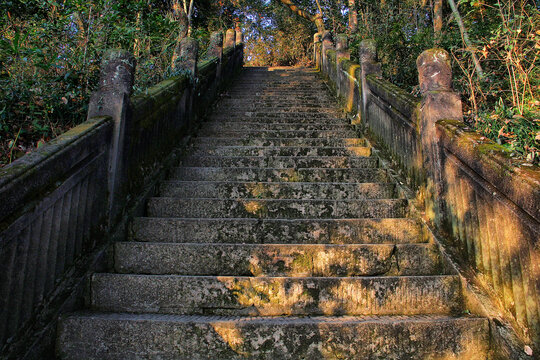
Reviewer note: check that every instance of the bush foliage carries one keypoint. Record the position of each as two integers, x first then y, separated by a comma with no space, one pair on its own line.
50,51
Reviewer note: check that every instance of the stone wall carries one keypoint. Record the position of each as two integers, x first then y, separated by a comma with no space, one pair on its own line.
63,204
484,205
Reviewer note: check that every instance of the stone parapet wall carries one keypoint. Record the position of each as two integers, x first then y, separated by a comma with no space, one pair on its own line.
392,117
483,203
54,204
63,204
491,211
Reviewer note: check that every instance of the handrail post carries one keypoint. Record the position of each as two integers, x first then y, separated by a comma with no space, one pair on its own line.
439,102
186,56
112,99
230,38
215,48
327,44
317,40
367,53
342,53
239,48
185,60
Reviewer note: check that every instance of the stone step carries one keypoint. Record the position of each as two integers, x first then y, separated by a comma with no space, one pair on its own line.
245,123
291,81
280,175
245,141
281,162
277,231
283,94
280,97
295,84
250,109
269,190
265,134
270,85
98,336
231,102
276,296
353,151
276,208
271,116
276,259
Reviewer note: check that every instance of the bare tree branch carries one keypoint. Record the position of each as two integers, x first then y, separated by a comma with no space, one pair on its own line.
317,19
465,37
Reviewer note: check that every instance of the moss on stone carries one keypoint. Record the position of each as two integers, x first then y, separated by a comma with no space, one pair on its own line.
118,54
331,54
207,65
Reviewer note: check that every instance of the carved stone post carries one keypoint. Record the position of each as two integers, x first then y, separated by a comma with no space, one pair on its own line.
186,56
112,99
342,47
327,44
342,53
439,102
367,53
317,39
239,36
185,61
230,38
215,48
239,52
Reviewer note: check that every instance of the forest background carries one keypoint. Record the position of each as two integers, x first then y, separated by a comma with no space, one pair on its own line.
50,53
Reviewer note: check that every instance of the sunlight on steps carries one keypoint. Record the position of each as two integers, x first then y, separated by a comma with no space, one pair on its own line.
278,236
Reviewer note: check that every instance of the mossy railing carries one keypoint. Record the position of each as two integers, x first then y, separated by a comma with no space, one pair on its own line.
484,205
63,204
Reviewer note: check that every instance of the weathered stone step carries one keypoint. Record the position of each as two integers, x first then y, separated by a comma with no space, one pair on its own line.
276,208
232,102
290,81
284,94
265,134
333,142
282,162
98,336
264,123
276,296
280,96
253,110
272,116
282,175
353,151
247,124
277,231
276,259
272,190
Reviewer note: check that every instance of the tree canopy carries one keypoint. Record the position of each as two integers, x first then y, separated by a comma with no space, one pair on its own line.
50,52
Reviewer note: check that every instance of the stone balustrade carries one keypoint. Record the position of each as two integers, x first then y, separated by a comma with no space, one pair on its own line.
483,205
65,202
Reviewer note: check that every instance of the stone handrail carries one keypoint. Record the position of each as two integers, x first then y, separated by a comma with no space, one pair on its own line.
63,204
483,204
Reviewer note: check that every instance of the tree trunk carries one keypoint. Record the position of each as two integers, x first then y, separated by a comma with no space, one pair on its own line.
316,19
437,20
353,17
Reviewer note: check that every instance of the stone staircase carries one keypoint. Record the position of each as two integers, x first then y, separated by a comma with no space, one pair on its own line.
279,236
